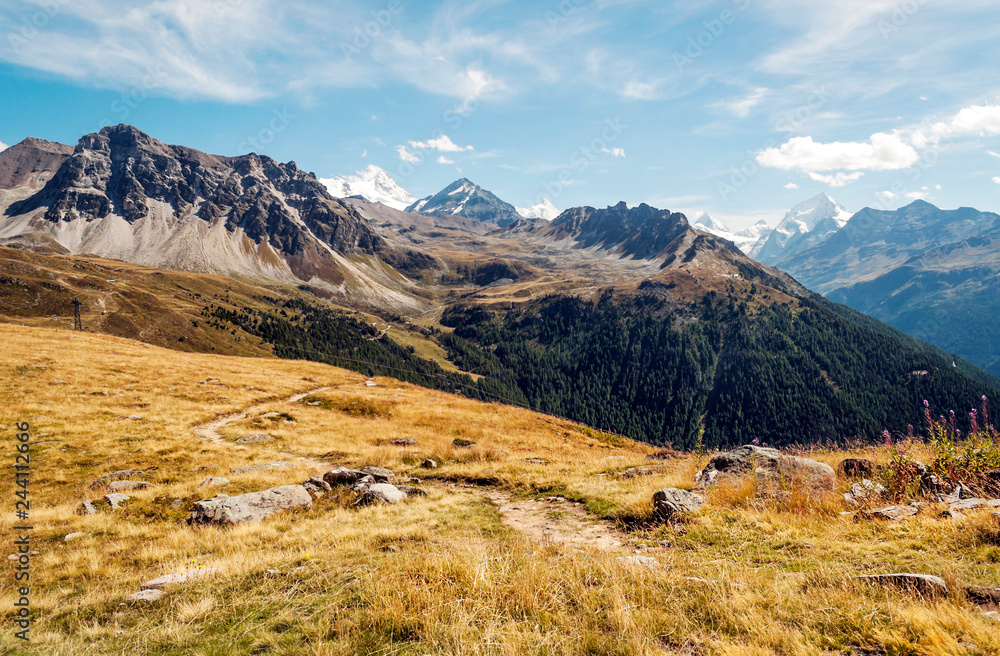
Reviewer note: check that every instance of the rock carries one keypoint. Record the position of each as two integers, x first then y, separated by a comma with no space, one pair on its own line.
536,461
118,475
411,491
429,464
931,485
974,504
922,584
146,596
127,486
768,466
636,472
863,492
383,493
74,536
179,578
404,441
342,476
250,507
213,481
132,418
992,614
671,504
983,596
255,437
857,468
316,486
381,474
269,466
87,508
363,484
950,514
959,492
644,561
115,500
888,513
58,382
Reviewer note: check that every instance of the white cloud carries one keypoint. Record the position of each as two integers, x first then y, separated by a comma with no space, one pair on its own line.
639,91
993,153
884,152
996,180
406,155
742,107
3,146
364,153
614,152
917,195
975,120
442,144
837,180
791,185
444,160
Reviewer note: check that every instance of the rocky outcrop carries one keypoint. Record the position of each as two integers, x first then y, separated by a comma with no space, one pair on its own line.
672,504
921,584
250,507
770,468
381,493
863,492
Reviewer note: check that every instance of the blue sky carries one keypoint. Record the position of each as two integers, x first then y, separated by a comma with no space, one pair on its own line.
741,108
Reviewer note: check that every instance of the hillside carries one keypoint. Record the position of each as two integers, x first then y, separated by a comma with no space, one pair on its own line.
518,545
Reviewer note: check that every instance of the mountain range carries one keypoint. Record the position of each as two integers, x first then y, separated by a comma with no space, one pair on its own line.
627,318
373,184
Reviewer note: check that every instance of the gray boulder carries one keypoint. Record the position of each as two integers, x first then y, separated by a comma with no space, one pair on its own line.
87,508
380,474
115,500
316,486
127,486
363,484
381,493
267,466
146,596
163,582
671,504
213,481
922,584
253,438
342,476
250,507
863,492
429,464
887,514
974,504
411,491
857,468
769,467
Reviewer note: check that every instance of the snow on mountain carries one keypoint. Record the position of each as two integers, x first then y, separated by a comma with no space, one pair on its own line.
374,185
465,198
805,225
745,239
544,210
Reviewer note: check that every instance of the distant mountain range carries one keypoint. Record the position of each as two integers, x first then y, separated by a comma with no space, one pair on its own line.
745,239
374,185
465,198
805,225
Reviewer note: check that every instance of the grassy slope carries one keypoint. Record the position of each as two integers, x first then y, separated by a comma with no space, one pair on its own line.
775,580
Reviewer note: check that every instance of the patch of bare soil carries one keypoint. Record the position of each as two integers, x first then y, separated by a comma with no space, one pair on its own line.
557,520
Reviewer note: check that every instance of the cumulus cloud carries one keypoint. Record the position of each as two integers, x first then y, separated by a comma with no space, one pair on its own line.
837,180
883,152
444,160
791,185
975,120
406,155
614,152
996,180
442,144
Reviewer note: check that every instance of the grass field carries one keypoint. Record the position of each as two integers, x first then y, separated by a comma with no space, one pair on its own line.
436,575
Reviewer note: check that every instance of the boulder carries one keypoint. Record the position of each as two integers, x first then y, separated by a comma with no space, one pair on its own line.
671,504
267,466
769,466
931,485
115,500
253,438
115,476
127,486
146,596
922,584
316,486
983,596
959,492
404,441
163,582
342,476
429,464
250,507
74,536
380,474
863,492
950,514
363,484
381,493
857,468
87,508
992,614
213,481
411,491
974,504
887,514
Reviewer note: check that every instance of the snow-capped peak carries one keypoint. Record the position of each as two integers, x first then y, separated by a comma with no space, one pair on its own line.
803,218
708,223
374,185
544,210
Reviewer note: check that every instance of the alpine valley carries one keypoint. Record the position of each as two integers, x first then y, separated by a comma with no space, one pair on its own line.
628,319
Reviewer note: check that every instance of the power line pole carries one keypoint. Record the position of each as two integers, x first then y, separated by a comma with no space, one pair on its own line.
77,322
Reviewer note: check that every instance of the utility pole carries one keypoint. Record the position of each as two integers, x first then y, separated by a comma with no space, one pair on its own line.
77,322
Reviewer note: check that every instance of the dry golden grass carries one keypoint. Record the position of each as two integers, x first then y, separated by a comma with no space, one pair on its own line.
742,578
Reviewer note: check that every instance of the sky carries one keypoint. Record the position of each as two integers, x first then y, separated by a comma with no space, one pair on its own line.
738,108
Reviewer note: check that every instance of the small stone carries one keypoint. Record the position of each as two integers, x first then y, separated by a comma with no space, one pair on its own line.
213,481
922,584
132,418
58,382
671,504
115,500
127,486
863,492
950,514
856,468
983,596
342,476
404,441
411,491
381,474
87,508
179,578
391,548
992,614
146,596
316,486
253,438
973,504
536,461
74,536
429,464
888,513
644,561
